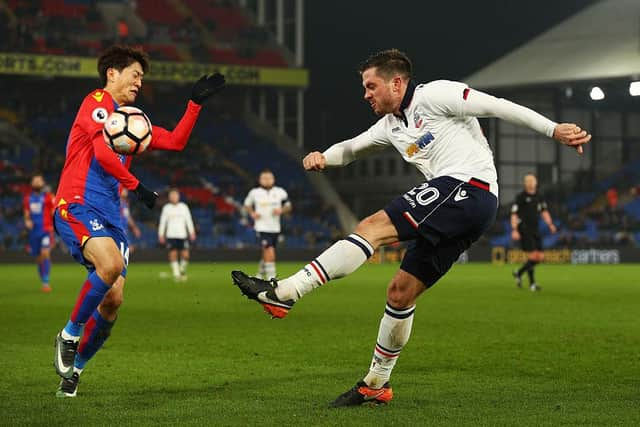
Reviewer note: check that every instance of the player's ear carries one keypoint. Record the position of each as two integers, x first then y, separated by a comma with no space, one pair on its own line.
396,82
112,74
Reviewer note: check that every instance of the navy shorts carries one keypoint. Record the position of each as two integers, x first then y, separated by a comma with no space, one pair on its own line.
76,223
443,216
177,244
267,240
38,240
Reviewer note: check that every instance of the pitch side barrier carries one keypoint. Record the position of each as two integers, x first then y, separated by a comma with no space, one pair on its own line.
82,67
500,255
478,253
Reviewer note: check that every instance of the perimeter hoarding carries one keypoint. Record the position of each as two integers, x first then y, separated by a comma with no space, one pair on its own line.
81,67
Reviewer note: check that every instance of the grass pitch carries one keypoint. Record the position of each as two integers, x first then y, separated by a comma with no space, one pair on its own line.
197,353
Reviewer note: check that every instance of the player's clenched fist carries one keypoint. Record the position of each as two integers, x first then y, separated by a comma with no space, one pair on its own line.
572,135
314,161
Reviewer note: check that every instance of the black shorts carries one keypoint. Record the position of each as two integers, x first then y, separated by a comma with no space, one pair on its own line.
267,240
530,242
444,216
177,244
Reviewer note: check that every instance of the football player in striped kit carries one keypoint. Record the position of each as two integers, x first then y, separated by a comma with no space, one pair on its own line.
433,126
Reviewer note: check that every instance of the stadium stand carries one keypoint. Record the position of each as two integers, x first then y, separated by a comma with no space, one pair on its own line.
213,174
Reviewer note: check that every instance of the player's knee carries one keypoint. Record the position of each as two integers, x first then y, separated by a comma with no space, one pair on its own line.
400,295
112,300
110,270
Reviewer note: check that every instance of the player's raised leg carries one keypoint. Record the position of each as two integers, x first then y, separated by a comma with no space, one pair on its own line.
104,255
339,260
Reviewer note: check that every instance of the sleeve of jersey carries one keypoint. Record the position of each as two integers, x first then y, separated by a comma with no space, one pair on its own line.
111,163
91,118
345,152
163,221
457,99
187,213
248,201
176,139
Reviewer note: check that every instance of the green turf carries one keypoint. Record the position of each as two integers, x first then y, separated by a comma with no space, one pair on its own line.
481,353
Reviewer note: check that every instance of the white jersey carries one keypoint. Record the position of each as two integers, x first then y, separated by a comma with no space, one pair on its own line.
438,132
175,221
263,202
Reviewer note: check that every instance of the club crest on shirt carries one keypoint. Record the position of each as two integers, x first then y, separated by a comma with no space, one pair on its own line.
98,95
417,120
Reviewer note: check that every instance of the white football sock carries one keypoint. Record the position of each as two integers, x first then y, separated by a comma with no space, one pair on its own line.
269,270
342,258
175,268
78,370
183,266
394,332
261,273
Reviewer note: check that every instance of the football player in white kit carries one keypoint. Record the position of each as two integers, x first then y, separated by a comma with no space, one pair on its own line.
176,230
266,204
434,127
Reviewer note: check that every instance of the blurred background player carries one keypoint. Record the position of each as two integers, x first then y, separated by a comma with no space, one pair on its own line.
266,204
87,213
128,223
38,219
524,225
176,230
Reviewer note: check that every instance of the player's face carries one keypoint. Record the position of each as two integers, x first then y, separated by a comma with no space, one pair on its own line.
174,197
37,182
530,184
266,180
382,95
125,84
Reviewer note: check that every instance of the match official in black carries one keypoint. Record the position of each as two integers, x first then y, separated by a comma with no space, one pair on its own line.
524,225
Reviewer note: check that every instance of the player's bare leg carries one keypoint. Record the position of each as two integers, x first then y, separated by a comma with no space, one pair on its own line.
105,256
393,335
339,260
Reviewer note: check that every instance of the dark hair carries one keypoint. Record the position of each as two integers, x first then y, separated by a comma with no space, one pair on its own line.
120,57
266,171
388,63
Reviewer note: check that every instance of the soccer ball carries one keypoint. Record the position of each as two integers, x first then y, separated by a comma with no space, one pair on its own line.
127,131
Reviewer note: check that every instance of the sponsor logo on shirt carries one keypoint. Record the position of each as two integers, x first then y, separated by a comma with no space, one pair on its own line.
420,144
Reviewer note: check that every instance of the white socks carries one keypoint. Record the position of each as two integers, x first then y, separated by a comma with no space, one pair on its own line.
394,332
175,269
269,270
183,266
339,260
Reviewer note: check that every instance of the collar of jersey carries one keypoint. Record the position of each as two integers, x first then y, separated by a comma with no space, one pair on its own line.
406,100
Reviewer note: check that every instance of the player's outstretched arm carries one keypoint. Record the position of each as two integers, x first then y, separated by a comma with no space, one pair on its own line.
176,140
345,152
571,135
